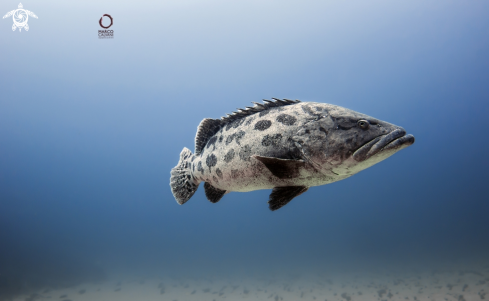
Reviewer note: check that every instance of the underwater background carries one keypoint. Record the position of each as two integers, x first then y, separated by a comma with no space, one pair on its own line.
90,129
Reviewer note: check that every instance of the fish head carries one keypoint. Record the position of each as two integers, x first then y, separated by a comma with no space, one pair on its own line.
355,141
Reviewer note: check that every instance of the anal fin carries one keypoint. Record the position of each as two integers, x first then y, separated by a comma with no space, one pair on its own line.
212,193
282,168
281,196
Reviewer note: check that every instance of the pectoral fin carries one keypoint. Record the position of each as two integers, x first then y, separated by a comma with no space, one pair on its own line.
212,193
282,168
281,196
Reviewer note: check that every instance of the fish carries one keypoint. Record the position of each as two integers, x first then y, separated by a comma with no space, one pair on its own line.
284,145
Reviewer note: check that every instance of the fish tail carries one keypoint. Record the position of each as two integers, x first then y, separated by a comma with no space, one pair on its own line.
183,185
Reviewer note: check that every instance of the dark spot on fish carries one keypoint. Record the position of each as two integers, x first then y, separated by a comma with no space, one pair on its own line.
230,138
220,138
236,173
212,141
286,119
308,110
343,128
215,179
229,156
229,126
343,123
238,136
263,125
263,113
250,120
317,115
245,153
199,167
211,161
238,122
271,140
234,124
219,173
193,167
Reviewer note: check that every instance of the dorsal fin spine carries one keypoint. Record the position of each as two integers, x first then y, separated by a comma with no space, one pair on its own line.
258,108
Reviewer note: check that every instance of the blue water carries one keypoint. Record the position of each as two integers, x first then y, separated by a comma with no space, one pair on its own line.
90,129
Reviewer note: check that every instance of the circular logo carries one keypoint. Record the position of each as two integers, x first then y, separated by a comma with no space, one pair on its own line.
111,21
20,17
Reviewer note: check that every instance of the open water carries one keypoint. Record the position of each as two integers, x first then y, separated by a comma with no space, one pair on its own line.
90,129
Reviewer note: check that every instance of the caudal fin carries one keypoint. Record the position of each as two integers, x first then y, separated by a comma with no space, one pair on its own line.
183,185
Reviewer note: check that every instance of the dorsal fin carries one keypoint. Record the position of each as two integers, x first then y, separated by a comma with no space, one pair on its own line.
258,107
208,127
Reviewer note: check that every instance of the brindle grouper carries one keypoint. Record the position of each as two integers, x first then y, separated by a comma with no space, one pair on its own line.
285,145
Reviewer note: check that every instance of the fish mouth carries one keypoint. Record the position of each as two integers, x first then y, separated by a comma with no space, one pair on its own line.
393,141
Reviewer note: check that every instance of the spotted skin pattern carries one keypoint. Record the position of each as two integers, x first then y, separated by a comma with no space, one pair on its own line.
321,143
271,135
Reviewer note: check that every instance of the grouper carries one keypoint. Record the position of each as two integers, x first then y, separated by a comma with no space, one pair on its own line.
284,145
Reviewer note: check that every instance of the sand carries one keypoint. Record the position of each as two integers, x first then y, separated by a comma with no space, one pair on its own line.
455,284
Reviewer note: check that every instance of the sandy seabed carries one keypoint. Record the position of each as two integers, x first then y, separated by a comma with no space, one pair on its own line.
449,284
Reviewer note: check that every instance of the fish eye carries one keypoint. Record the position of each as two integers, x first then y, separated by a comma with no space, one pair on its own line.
363,124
